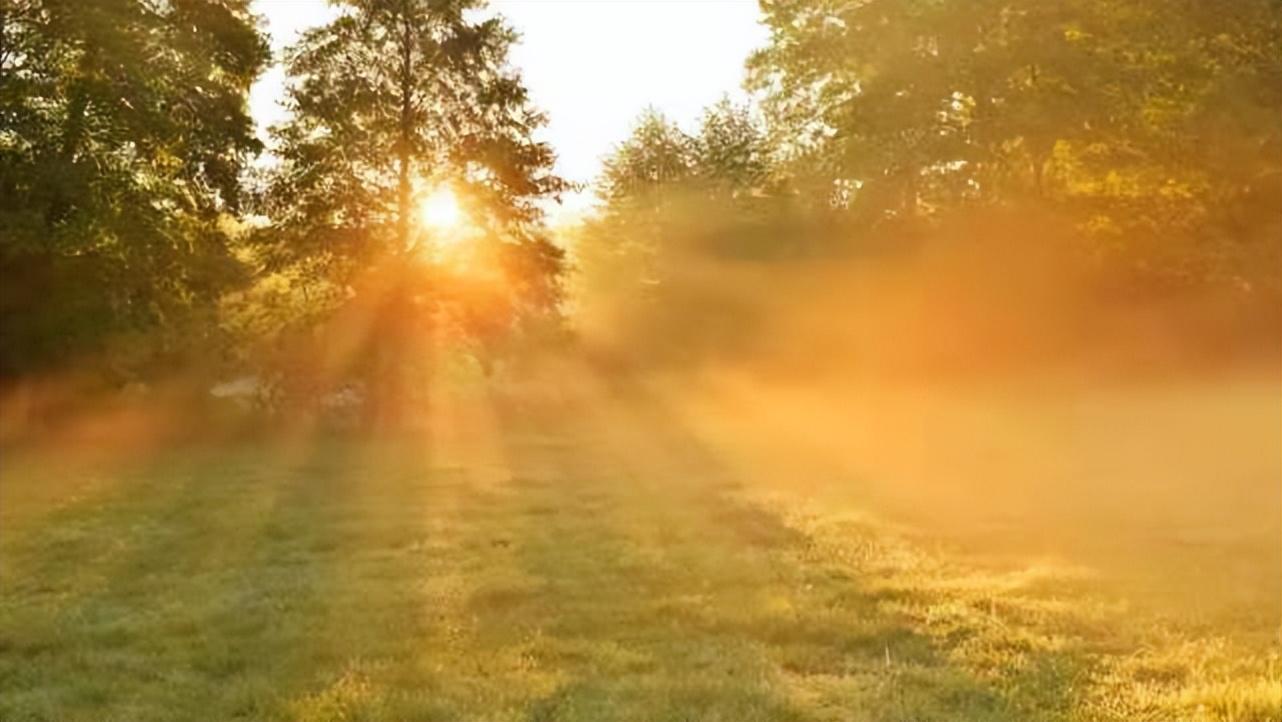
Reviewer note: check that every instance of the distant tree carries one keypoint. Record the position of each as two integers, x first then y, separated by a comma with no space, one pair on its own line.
1151,123
123,131
727,157
664,191
646,169
388,100
671,201
732,155
924,102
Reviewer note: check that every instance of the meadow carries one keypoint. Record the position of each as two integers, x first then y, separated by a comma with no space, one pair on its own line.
514,361
593,552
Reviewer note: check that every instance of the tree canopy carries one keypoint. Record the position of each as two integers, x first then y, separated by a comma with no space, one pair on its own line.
390,101
1153,124
133,232
123,132
393,97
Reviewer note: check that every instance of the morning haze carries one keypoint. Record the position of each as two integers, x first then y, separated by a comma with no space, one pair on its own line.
424,360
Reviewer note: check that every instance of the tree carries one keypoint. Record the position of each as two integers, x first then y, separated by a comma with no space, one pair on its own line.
926,102
732,156
392,99
123,130
672,202
1151,124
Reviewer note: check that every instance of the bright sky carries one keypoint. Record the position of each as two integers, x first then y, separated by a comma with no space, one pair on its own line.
592,65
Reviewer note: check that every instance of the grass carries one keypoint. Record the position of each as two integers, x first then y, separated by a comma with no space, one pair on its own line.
535,565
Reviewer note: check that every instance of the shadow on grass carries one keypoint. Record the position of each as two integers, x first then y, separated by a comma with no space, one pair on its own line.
619,573
662,594
196,595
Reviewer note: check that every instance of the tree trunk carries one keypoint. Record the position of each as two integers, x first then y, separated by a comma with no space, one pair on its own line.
403,150
386,387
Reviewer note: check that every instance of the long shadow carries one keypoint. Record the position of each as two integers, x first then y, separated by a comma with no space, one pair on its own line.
393,610
1018,665
204,604
708,587
598,585
618,575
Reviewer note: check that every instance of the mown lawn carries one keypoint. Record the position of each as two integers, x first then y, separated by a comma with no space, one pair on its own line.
596,563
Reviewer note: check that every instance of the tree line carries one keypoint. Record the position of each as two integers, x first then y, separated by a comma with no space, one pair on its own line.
137,236
1145,135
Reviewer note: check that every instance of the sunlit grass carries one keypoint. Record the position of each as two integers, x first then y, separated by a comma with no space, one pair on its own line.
586,559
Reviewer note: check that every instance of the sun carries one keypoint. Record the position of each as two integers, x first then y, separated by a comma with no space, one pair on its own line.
441,210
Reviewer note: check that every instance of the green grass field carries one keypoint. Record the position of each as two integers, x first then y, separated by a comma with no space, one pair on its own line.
581,561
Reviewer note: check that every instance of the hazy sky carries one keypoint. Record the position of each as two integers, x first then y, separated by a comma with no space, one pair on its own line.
592,65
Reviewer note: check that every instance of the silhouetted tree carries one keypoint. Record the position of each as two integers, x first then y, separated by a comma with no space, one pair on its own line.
388,100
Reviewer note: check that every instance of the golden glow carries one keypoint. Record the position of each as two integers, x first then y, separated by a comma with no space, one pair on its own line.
441,210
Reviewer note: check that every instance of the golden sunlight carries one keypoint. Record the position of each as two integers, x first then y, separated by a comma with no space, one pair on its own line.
919,374
441,209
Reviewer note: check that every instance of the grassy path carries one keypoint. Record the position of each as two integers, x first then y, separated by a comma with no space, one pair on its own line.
588,561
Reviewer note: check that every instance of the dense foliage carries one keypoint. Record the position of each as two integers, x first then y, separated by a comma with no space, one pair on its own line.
1138,144
1153,126
671,203
123,131
390,100
1147,133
